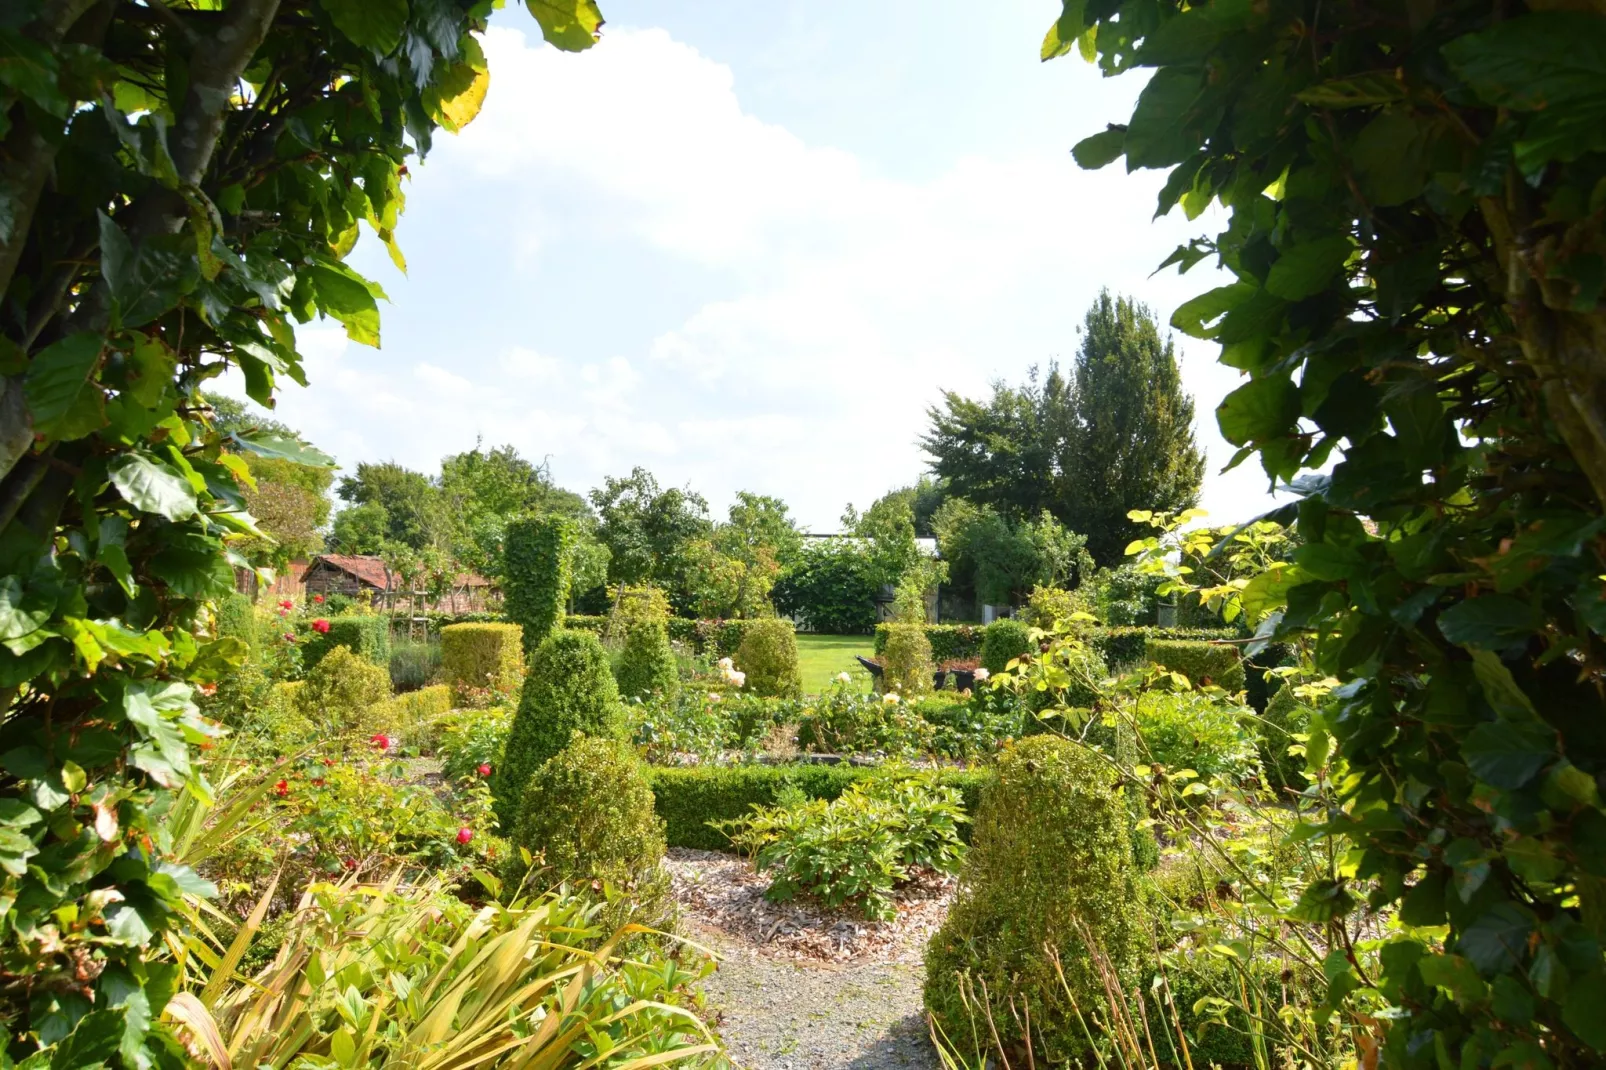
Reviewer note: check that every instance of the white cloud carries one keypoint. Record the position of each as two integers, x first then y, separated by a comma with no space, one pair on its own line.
823,308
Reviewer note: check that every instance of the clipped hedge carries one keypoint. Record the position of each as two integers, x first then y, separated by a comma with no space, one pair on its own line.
1202,663
907,662
647,665
1004,641
711,638
1120,647
949,642
366,635
535,575
689,797
482,655
409,715
341,692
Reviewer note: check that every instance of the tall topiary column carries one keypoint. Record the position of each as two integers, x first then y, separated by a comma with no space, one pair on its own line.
647,664
569,689
1050,862
535,575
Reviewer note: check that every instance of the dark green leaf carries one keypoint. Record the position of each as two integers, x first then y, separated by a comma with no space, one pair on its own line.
1102,148
1582,1011
1388,159
1307,269
282,447
1536,62
1194,317
374,24
1454,974
29,68
62,396
1062,36
1508,755
1489,622
1497,942
1357,91
1157,135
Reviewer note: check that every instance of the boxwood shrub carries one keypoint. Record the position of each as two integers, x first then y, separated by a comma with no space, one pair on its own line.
366,635
482,655
689,797
1202,663
768,655
1124,647
1005,640
647,665
949,642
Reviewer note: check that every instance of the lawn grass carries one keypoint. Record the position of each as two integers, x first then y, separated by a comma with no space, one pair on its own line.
821,657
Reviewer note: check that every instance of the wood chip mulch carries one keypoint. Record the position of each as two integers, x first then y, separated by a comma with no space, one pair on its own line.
723,892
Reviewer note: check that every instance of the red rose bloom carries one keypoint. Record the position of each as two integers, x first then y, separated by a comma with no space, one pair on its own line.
318,598
282,788
350,863
287,604
485,770
464,835
380,740
320,626
289,637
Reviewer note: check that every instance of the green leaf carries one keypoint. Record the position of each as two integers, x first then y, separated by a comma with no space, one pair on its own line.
1063,35
1389,159
1193,317
1323,900
1490,622
1157,135
154,363
345,295
1536,62
373,24
282,447
22,611
1260,409
1307,269
152,487
456,95
1497,942
124,923
1092,153
32,70
1582,1010
570,25
1455,975
1356,91
62,396
1508,755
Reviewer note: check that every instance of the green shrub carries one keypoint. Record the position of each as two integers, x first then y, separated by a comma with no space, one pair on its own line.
1049,852
596,624
1006,639
1187,729
1048,605
968,728
535,575
1285,717
413,663
1079,674
858,847
1202,663
470,739
1123,647
569,689
647,665
688,798
949,642
475,656
367,635
768,655
906,660
242,689
844,720
280,725
412,715
587,816
343,691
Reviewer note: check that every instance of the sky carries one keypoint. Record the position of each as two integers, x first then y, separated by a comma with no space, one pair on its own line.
746,246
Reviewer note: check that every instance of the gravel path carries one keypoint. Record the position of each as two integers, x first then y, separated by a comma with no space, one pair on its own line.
776,1014
800,988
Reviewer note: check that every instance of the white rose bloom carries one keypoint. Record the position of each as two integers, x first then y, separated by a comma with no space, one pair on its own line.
890,698
725,663
738,678
713,696
982,674
843,678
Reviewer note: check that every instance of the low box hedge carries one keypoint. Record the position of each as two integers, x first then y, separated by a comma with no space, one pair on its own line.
367,635
689,797
1200,662
482,655
949,642
711,638
1120,647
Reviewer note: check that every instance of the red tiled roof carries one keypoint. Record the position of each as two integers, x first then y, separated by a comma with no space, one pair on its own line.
371,570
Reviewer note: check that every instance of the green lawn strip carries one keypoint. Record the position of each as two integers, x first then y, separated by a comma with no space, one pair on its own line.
821,657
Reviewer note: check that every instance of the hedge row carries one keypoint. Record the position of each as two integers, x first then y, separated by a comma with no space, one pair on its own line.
367,635
410,714
689,797
949,642
1117,646
482,655
714,638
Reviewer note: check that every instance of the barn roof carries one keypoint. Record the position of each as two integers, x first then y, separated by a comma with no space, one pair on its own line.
371,570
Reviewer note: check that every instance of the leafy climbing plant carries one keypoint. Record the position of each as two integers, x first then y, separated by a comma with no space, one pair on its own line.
180,183
1416,196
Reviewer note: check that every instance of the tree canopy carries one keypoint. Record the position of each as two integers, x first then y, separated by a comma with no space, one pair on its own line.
1113,436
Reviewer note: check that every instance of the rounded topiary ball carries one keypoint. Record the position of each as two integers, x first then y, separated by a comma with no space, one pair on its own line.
1050,858
569,688
587,818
